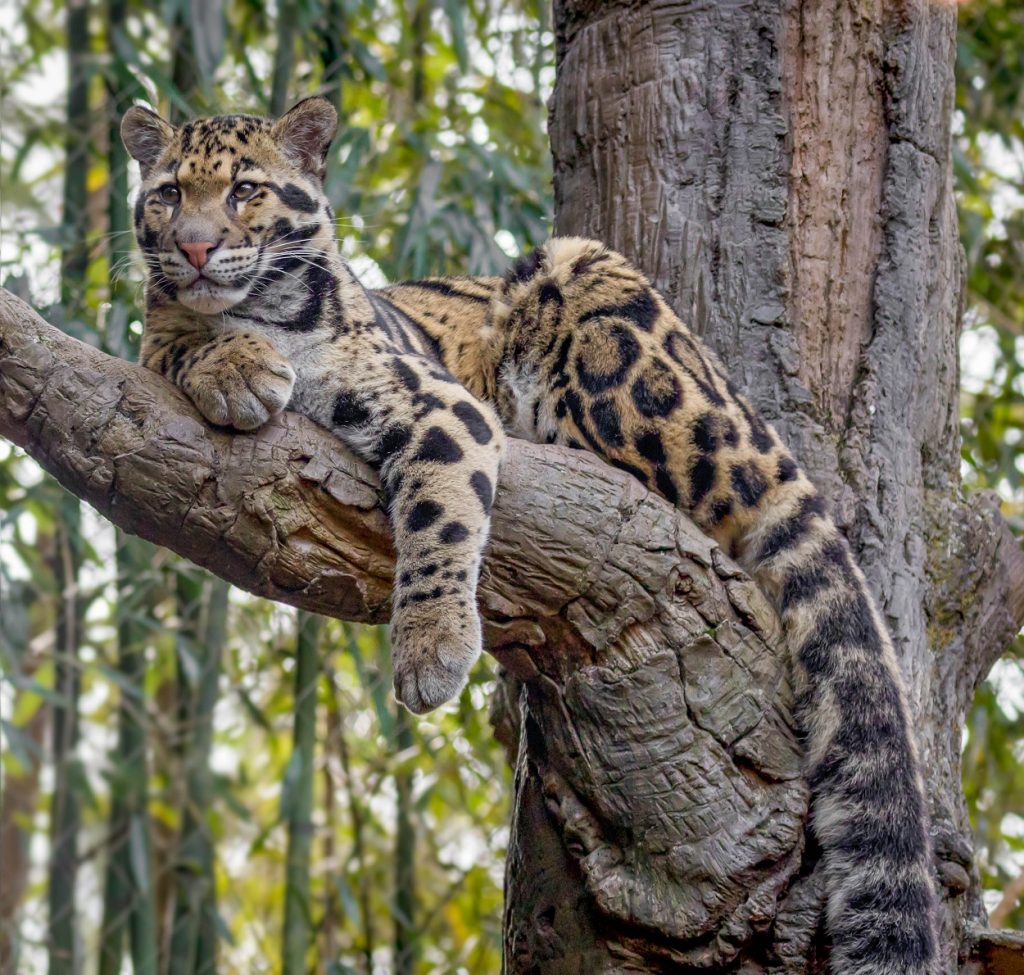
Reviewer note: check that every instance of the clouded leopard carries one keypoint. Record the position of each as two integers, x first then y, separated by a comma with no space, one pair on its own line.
250,308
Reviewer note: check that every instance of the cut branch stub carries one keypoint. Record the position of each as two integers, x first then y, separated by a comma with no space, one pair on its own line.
657,704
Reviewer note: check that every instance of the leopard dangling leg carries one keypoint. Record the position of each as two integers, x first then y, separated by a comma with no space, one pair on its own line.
438,450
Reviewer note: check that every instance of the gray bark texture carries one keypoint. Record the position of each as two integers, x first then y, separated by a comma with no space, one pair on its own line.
782,172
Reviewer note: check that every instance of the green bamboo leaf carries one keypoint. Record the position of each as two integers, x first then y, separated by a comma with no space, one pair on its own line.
454,10
221,926
346,896
18,744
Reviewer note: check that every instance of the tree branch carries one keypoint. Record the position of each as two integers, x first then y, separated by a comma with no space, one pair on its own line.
287,513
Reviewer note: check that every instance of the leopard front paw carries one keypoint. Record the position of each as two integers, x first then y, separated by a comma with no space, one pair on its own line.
432,657
241,383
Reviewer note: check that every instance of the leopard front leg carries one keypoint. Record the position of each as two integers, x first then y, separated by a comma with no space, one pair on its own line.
235,379
438,451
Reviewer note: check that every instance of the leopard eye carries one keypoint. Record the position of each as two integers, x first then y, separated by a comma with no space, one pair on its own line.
170,194
243,191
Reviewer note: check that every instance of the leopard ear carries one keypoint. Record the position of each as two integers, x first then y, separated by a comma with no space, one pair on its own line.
145,135
305,133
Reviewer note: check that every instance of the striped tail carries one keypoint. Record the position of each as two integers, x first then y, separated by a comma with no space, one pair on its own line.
868,810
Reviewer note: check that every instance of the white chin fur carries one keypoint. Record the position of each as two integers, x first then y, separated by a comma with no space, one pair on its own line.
209,299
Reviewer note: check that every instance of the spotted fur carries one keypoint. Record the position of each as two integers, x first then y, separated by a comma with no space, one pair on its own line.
573,346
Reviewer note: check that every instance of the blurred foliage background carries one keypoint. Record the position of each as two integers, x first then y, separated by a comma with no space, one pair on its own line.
195,780
988,165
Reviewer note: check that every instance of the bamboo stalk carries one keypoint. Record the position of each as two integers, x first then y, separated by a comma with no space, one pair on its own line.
298,926
20,791
62,935
203,610
406,946
284,56
332,33
129,896
336,735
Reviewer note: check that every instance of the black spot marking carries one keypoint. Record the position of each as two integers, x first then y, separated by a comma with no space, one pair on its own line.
445,288
322,286
575,405
585,263
759,435
562,359
422,597
650,447
605,417
720,510
787,469
439,447
473,420
295,197
282,228
705,439
406,375
641,310
666,486
427,403
749,482
524,268
453,533
549,292
656,391
807,581
848,622
140,209
349,411
392,441
599,372
790,532
702,479
423,515
481,484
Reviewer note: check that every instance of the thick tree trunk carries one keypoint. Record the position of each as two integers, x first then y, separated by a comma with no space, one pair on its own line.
782,172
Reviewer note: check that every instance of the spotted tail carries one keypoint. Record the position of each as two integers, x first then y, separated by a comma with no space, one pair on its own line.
868,809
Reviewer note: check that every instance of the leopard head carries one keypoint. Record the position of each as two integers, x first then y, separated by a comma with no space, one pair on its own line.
230,202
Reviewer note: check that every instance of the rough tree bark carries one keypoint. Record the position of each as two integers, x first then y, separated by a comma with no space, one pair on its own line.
782,173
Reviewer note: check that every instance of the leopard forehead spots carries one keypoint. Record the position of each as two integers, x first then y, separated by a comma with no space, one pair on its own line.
229,183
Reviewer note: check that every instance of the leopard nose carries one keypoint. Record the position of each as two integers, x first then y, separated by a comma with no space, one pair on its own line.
197,252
